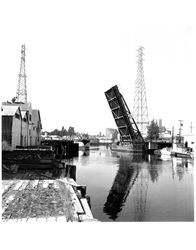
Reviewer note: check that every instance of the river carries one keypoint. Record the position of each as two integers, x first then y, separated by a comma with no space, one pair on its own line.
127,187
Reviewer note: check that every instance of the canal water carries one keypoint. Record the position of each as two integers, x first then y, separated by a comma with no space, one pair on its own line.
126,187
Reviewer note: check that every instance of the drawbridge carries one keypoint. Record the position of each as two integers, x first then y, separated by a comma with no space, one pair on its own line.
127,127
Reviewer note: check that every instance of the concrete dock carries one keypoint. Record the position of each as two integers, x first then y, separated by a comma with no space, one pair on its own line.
29,197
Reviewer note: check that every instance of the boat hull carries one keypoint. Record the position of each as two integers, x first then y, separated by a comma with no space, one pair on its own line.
181,155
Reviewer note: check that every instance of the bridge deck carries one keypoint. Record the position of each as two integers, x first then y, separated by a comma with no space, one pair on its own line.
126,125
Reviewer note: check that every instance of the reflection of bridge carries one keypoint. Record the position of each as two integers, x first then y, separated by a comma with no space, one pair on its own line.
128,177
123,182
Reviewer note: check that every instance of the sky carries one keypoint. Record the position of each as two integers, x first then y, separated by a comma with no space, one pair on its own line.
76,50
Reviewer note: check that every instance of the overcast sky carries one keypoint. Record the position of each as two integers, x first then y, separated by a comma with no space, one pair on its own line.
76,50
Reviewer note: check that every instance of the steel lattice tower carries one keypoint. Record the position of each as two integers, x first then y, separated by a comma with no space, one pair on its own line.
140,110
21,94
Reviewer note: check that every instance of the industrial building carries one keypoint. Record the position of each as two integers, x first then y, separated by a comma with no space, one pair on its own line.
21,125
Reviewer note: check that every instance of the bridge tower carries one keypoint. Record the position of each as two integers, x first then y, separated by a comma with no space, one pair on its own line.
140,110
21,93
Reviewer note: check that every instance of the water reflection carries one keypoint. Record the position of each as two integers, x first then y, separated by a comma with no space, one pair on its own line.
132,180
154,168
180,166
124,181
125,187
140,194
86,152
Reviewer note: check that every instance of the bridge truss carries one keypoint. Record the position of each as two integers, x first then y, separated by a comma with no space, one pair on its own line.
125,122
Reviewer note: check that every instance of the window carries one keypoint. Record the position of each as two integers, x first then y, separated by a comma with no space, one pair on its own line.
17,116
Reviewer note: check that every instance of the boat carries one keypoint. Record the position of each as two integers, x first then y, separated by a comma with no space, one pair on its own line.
164,153
176,151
182,153
179,150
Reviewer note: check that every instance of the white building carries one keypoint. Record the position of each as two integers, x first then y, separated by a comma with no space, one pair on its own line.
111,133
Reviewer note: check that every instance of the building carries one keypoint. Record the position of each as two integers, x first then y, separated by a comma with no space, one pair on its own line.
36,127
25,128
21,125
111,133
11,127
165,134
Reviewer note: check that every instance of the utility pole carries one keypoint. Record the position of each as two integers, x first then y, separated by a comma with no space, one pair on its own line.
21,94
191,127
140,110
172,135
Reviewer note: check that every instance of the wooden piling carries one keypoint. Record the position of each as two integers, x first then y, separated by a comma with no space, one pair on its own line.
71,171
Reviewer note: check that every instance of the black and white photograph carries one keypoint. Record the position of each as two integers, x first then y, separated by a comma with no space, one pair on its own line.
98,117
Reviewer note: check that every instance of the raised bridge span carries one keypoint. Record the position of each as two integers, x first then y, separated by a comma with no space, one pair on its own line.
125,122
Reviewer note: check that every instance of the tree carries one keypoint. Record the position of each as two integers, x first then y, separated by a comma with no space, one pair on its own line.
153,131
63,131
71,131
55,132
13,99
